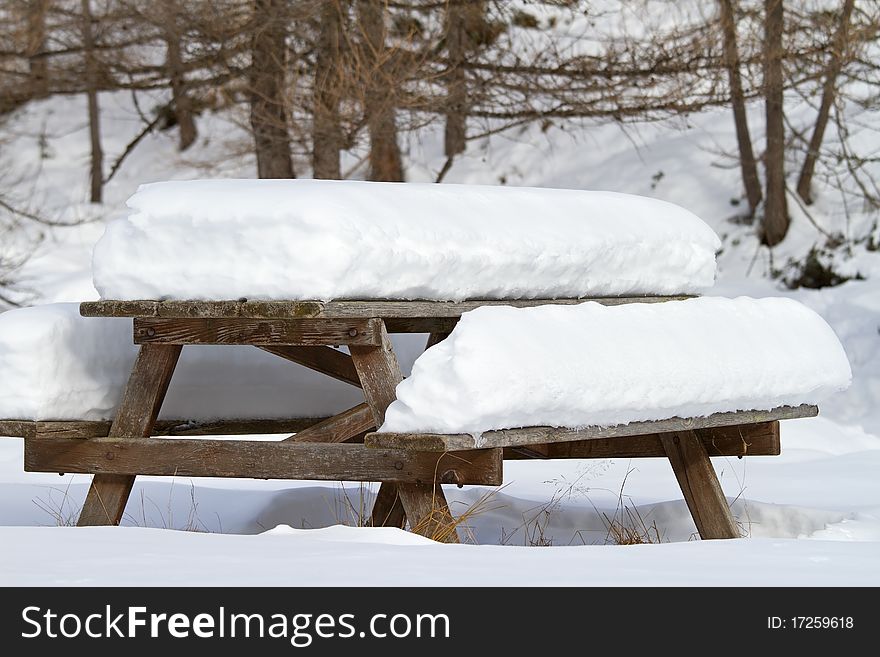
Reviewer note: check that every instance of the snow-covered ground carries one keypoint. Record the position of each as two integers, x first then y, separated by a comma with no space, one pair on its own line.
813,513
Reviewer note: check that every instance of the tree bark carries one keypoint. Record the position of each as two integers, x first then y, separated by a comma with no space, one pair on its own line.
747,161
269,120
96,174
386,162
326,130
36,43
776,218
455,133
183,108
829,90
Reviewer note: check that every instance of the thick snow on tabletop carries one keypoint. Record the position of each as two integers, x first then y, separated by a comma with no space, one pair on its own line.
574,366
56,365
308,239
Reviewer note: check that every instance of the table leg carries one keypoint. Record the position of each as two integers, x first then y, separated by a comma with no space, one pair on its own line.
424,504
699,484
135,417
434,338
388,509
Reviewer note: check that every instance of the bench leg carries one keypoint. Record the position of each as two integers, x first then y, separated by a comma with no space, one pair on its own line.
699,483
135,417
424,504
387,508
428,512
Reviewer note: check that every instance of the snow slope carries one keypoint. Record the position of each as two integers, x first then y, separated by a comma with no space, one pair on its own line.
576,366
327,239
337,557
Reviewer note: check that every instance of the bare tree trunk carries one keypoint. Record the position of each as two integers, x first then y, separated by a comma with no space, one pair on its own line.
456,84
326,130
36,42
747,161
91,70
386,162
268,112
183,108
829,90
776,217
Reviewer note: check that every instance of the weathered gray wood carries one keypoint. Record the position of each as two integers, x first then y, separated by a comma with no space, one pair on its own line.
540,435
339,428
435,337
135,417
386,309
325,360
259,332
741,440
380,373
387,508
428,512
126,457
420,324
243,427
118,308
17,428
699,484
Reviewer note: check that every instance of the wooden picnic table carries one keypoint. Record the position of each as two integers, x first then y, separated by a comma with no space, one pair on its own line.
410,467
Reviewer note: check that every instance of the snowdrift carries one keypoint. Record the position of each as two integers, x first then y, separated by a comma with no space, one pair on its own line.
323,240
575,366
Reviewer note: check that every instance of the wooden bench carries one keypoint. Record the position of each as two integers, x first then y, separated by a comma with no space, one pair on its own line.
410,467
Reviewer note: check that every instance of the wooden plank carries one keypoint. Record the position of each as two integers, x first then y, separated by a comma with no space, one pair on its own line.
17,428
530,452
325,360
271,309
135,417
379,373
425,506
699,484
387,508
315,332
343,309
143,308
198,309
426,309
188,457
737,441
339,428
242,427
420,324
436,337
428,512
541,435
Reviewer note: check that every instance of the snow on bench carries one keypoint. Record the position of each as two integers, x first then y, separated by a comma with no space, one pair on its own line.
325,240
57,365
591,365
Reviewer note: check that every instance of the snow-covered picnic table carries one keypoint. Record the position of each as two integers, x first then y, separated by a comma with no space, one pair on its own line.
546,340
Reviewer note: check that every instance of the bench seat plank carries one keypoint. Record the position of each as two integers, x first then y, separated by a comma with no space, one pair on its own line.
545,435
760,439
